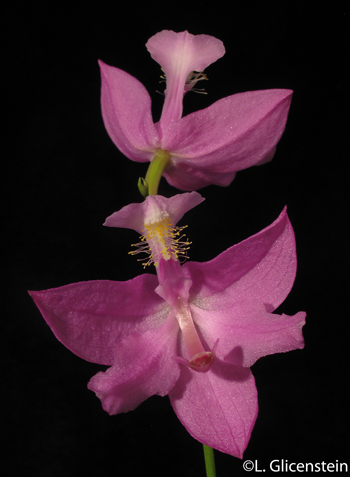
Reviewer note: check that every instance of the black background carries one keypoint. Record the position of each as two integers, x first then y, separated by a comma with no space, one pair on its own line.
62,176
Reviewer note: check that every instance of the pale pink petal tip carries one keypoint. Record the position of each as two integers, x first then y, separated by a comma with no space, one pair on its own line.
169,49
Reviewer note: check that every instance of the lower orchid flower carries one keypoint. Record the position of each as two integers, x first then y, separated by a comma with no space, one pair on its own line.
202,148
192,331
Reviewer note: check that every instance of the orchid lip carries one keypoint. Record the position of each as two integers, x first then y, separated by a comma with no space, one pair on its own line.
162,239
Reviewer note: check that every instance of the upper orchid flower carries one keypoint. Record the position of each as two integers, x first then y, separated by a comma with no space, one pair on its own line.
156,331
205,147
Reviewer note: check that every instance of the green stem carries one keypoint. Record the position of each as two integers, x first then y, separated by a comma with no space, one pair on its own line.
155,170
209,461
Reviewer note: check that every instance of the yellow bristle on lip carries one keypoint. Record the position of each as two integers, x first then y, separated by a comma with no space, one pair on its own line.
162,239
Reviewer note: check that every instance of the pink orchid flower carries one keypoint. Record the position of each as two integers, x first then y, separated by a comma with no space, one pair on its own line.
191,332
207,146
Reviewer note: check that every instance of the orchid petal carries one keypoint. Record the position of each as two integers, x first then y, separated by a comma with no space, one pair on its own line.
218,408
126,112
181,203
262,268
152,209
91,318
130,216
179,54
230,135
144,366
245,335
186,177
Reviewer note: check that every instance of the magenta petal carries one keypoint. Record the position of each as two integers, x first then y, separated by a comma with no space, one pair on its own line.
261,268
247,334
91,318
230,135
126,111
218,408
144,366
